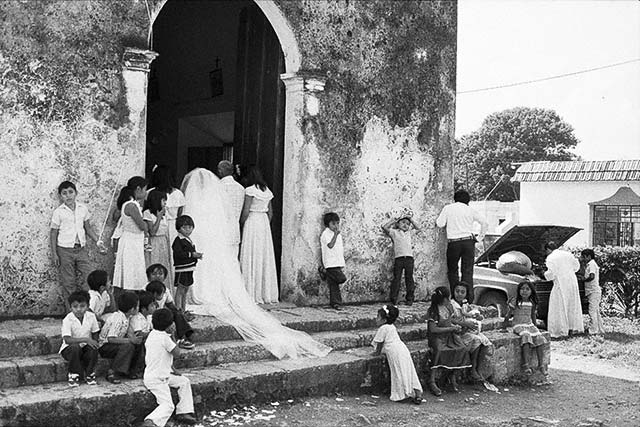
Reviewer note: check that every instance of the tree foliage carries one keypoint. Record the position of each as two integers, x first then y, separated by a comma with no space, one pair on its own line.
517,135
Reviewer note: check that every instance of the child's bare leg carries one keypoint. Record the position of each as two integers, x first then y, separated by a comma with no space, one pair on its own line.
453,379
432,383
475,356
526,358
542,366
181,294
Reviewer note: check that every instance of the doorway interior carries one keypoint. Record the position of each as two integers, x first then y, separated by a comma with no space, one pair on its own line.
215,93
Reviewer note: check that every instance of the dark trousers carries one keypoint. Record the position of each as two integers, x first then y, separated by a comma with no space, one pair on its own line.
74,262
124,356
403,263
81,359
335,277
183,329
461,250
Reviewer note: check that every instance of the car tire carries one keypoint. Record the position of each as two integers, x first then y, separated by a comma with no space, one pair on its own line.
494,299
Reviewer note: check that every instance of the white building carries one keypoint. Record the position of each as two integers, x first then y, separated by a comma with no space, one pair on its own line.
601,197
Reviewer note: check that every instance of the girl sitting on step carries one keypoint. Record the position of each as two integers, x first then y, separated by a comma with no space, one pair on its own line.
523,311
469,319
449,351
404,379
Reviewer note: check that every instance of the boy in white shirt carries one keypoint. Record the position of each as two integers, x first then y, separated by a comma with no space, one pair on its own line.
160,377
70,227
79,340
403,256
332,258
592,290
100,294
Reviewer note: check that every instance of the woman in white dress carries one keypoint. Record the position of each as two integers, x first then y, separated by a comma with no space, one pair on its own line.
257,257
565,311
218,284
129,272
162,179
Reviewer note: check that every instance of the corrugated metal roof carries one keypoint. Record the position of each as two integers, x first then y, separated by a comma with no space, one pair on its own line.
608,170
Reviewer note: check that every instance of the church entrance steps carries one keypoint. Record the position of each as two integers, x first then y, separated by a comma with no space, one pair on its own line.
226,385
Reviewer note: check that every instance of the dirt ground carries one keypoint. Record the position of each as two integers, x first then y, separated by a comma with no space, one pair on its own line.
573,399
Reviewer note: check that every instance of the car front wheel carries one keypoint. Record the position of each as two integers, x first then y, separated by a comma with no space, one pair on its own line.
494,299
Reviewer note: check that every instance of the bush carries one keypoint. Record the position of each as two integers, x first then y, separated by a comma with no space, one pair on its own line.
619,278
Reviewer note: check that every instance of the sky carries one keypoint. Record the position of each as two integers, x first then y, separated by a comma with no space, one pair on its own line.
509,41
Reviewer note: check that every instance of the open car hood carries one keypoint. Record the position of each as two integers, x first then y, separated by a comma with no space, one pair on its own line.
528,239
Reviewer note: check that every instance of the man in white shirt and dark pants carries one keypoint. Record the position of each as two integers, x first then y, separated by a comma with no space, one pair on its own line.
235,193
458,218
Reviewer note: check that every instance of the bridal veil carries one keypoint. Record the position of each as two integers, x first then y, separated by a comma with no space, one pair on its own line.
218,285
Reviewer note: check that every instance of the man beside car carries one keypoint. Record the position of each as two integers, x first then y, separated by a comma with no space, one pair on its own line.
565,311
459,219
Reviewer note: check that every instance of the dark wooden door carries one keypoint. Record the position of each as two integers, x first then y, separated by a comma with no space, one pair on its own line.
259,115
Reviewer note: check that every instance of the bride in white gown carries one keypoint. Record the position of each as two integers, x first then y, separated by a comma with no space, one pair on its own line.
218,288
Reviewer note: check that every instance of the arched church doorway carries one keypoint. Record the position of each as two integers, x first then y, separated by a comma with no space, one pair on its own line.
215,92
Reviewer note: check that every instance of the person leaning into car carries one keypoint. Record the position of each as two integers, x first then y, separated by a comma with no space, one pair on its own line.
458,218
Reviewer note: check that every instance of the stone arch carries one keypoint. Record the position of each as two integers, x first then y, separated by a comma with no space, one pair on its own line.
279,22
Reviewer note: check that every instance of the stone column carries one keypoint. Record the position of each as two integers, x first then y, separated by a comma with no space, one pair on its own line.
135,70
301,192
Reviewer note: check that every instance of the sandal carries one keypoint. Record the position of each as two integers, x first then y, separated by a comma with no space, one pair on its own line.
417,400
112,378
526,369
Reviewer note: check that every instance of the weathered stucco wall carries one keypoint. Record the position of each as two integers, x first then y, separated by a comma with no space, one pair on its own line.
63,115
380,140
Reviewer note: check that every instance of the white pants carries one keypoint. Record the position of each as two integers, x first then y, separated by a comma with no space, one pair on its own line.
595,325
160,387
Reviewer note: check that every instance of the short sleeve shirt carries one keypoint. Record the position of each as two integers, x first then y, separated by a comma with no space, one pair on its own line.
138,323
401,243
158,357
166,299
70,225
98,302
116,326
593,285
73,327
331,257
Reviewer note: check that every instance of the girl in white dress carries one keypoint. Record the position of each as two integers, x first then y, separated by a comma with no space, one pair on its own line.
405,383
257,258
155,217
129,272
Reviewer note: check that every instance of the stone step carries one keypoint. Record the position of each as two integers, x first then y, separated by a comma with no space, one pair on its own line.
227,385
19,338
24,371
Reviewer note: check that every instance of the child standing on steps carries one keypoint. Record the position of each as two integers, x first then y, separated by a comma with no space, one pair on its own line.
523,311
332,258
399,232
79,340
185,259
70,227
405,383
160,376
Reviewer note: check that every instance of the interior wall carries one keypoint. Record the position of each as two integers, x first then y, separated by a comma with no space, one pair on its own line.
189,37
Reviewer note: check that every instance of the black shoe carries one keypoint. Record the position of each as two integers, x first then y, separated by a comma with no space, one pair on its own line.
336,307
409,303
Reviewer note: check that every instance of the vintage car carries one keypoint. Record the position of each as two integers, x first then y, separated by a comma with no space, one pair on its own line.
494,288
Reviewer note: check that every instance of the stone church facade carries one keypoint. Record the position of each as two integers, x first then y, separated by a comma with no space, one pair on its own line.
369,103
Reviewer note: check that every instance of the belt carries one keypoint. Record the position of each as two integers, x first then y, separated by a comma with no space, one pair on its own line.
460,239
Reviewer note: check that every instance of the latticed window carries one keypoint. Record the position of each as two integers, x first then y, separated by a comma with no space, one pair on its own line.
616,225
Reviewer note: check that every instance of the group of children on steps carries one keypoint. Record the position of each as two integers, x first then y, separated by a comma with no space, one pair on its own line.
140,329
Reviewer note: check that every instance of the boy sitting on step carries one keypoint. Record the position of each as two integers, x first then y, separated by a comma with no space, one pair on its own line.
160,377
100,295
79,340
156,274
114,343
140,326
